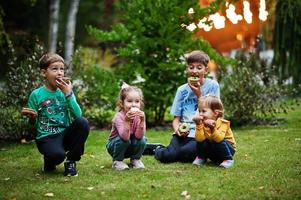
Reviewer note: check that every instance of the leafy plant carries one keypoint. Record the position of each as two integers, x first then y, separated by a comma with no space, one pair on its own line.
251,93
96,88
22,77
286,41
151,45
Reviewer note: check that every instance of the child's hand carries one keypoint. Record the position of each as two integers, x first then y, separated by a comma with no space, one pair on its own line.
183,130
196,88
30,113
65,85
209,123
133,112
197,119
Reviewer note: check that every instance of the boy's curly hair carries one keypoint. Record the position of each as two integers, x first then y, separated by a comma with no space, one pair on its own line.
49,58
197,56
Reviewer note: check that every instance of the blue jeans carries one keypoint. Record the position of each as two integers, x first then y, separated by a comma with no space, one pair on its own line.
120,149
217,152
179,150
70,143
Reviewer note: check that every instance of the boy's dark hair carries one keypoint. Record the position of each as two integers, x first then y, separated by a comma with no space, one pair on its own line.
197,56
49,58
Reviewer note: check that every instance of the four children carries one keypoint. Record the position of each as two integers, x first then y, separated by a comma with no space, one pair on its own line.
62,131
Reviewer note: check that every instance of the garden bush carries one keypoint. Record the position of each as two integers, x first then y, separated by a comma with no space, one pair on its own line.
22,77
97,87
151,42
250,91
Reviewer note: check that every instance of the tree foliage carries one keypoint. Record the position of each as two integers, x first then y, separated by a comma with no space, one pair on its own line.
250,92
152,44
286,40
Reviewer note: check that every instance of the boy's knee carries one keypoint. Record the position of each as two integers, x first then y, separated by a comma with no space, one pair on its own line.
82,123
165,156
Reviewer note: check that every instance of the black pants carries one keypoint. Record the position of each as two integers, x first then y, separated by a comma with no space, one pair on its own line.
70,143
179,149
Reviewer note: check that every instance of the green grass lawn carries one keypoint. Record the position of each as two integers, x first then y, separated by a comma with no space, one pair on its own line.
267,166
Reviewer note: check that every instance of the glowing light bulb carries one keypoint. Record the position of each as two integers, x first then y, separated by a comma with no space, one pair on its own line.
247,12
190,11
263,14
231,15
191,27
218,20
203,25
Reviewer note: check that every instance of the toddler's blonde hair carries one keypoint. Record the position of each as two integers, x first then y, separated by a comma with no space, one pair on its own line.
212,102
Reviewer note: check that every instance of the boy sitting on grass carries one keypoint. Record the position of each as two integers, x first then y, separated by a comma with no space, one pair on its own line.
182,147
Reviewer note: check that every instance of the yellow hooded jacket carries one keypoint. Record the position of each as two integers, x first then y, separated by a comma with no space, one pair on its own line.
221,131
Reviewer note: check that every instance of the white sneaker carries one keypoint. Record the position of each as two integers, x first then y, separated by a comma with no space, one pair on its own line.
119,165
137,164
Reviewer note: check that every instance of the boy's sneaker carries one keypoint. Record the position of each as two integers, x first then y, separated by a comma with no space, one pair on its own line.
120,165
48,169
137,164
227,163
151,148
199,161
70,168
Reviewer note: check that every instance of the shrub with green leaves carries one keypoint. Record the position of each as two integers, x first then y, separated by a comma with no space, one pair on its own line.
22,77
96,88
250,92
151,43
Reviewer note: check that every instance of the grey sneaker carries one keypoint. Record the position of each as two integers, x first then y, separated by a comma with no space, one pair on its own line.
137,164
120,165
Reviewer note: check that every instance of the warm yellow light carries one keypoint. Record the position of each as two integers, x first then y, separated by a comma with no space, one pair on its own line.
190,11
203,25
263,14
247,12
191,27
218,20
231,14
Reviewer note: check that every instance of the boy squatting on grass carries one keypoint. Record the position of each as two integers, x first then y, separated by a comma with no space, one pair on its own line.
52,107
182,147
215,139
128,128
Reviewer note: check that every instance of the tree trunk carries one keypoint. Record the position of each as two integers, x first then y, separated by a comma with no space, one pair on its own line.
70,32
53,25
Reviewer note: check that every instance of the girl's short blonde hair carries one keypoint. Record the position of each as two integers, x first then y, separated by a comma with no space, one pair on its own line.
123,93
212,102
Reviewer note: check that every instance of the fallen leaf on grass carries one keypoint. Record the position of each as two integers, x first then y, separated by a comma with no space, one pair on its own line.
49,194
184,193
90,188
